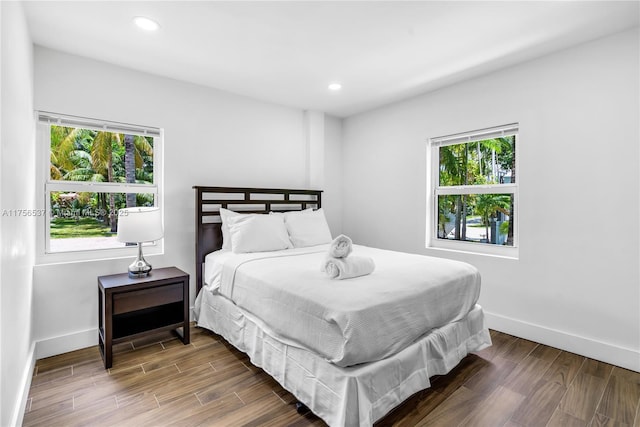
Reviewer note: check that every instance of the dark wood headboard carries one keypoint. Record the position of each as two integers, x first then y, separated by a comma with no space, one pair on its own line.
209,200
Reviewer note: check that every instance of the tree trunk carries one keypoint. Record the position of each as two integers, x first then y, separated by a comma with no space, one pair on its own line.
458,217
463,235
130,167
486,228
112,215
513,180
480,160
112,199
102,205
494,165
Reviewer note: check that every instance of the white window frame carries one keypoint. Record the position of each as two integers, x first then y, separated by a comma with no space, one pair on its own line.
44,120
434,190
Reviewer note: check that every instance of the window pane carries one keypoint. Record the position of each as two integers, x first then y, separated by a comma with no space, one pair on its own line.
489,161
482,218
87,155
88,221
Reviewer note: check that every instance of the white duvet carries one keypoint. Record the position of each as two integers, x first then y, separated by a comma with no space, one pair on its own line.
351,321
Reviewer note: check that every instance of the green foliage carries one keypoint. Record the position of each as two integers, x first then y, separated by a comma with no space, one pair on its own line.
97,156
488,204
478,162
484,162
88,155
504,227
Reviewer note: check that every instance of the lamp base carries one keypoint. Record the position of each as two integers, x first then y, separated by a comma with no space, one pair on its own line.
138,275
140,267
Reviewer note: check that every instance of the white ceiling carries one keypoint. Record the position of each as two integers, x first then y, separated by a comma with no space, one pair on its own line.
287,52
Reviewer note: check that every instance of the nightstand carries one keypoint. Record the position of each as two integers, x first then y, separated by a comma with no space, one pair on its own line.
130,308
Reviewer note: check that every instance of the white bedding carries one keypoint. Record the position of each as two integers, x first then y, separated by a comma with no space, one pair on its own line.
352,321
353,396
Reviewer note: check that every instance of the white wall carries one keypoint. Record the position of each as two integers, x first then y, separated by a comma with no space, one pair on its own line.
576,282
333,185
211,138
17,191
565,290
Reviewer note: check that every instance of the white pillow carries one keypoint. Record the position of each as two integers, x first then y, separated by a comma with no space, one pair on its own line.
308,229
257,233
225,214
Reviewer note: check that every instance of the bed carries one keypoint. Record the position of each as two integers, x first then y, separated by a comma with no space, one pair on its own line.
350,350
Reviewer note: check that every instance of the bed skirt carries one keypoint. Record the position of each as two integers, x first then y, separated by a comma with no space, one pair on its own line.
344,397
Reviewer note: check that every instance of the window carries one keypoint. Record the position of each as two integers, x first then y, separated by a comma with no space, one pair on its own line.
474,192
90,170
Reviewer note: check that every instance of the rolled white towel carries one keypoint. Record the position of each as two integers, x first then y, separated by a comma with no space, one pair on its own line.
346,268
340,247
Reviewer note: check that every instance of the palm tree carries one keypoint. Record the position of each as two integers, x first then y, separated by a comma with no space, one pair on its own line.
63,144
485,207
134,148
102,163
85,155
488,204
130,167
501,151
512,146
453,171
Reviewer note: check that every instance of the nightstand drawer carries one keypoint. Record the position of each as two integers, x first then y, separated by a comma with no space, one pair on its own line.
152,297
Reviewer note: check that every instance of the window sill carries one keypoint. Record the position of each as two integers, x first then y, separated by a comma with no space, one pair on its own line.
98,254
504,252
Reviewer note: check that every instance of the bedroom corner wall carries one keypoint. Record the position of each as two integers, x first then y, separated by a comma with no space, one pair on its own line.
333,185
314,136
576,283
17,191
323,135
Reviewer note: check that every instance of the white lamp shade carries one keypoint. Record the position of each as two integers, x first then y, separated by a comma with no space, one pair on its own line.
139,225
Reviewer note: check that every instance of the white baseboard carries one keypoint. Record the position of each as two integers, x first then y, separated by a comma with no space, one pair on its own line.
66,343
70,342
21,400
605,352
619,356
75,341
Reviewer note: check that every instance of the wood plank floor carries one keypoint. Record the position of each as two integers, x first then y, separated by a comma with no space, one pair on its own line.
159,381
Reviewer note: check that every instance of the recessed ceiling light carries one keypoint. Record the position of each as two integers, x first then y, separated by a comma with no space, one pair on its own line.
146,23
335,86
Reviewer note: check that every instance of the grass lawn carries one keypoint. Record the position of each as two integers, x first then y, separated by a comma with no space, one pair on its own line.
62,228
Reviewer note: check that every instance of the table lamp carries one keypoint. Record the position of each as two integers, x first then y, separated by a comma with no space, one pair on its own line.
139,225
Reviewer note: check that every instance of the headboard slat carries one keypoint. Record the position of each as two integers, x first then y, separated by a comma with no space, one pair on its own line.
209,234
254,201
